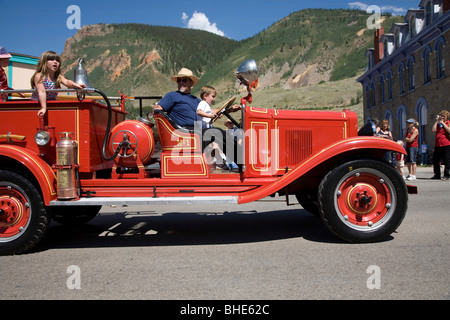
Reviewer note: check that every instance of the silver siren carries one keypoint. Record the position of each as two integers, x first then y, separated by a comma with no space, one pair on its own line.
247,73
80,77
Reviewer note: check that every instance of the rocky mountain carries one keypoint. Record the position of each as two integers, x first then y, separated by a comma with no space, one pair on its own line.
307,48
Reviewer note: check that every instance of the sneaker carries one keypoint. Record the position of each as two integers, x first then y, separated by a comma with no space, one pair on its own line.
411,178
435,178
445,178
222,166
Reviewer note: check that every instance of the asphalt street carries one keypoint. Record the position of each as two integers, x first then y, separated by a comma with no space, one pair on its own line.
259,251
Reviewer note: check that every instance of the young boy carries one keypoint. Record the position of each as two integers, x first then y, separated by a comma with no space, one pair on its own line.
400,161
204,111
205,114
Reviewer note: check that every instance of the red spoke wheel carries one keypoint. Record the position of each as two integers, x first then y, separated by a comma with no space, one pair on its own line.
363,200
23,219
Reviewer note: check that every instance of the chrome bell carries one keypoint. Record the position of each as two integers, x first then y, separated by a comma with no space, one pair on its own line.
80,77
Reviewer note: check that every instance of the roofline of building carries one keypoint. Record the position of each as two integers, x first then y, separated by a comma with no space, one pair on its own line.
23,58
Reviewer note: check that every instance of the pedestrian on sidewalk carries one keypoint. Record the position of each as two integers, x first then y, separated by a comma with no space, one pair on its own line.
442,146
424,154
412,148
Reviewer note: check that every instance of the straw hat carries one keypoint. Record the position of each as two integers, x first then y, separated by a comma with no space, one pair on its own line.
4,53
185,73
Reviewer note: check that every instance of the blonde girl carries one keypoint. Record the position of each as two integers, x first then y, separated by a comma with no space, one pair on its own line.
384,131
412,148
48,76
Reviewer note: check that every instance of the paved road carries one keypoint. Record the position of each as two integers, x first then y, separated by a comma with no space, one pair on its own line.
263,250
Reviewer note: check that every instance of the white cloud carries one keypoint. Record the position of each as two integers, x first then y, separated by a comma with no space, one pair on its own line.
358,5
392,9
201,22
184,17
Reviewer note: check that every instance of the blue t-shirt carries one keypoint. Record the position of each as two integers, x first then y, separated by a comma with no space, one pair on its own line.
182,107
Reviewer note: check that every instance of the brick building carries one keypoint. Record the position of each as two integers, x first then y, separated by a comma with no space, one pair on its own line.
406,75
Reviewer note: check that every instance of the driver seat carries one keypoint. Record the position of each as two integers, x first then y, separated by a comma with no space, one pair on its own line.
175,137
182,155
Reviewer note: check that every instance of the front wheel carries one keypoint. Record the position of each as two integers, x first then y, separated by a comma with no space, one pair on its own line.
363,200
23,218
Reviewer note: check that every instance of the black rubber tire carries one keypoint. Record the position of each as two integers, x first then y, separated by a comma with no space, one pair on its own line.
309,203
36,221
384,183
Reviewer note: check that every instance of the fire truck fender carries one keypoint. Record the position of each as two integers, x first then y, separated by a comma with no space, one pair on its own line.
37,167
336,149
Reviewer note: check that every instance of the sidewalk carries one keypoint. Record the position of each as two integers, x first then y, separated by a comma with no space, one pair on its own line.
421,172
424,173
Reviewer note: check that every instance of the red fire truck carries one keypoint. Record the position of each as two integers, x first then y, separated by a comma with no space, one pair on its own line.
84,154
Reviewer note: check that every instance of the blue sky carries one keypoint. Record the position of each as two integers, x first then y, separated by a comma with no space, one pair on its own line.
32,27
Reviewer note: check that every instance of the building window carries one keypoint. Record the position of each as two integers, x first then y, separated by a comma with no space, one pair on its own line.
439,48
401,78
426,65
368,96
372,89
437,8
410,67
389,79
382,95
401,117
422,112
389,117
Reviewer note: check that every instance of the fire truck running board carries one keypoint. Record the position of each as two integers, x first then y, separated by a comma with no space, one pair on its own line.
119,201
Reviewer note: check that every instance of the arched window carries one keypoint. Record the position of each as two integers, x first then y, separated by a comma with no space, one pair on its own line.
422,112
372,89
383,95
389,117
439,48
410,67
368,96
389,79
401,78
426,64
401,116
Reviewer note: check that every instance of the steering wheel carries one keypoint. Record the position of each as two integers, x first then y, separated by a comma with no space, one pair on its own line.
224,108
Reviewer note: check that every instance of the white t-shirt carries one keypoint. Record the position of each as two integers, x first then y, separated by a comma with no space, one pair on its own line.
205,107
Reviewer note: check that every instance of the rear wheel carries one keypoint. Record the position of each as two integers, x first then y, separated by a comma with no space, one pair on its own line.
309,202
23,219
363,200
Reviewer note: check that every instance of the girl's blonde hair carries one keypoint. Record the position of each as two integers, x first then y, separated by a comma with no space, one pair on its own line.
207,90
42,68
386,122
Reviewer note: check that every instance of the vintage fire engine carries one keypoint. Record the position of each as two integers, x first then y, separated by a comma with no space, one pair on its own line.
83,154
